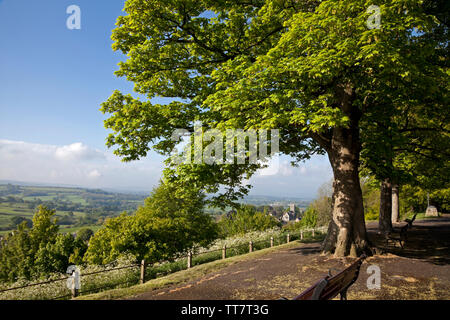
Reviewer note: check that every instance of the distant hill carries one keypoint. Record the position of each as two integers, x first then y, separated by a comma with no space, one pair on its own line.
260,200
75,207
59,185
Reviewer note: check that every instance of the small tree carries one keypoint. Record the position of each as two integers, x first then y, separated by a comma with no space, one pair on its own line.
36,252
58,255
171,222
85,234
15,221
309,219
246,219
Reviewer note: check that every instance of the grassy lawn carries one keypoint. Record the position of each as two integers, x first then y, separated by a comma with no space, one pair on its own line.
420,216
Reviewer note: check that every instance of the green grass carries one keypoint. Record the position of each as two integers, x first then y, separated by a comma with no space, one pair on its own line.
16,209
94,228
76,199
8,211
75,229
65,213
76,196
421,216
43,198
71,196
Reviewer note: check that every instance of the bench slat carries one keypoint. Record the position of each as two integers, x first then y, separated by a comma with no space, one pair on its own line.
335,285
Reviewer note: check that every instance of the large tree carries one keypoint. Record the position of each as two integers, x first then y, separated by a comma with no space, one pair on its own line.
315,70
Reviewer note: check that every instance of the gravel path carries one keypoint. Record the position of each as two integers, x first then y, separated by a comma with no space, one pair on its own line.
420,271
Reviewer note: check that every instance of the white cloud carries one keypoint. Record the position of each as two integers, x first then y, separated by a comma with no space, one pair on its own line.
94,174
77,151
74,164
282,179
280,167
81,165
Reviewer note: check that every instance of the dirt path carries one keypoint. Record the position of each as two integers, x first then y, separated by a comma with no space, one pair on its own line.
420,271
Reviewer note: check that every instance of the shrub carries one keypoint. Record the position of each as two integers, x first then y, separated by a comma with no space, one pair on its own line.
171,222
244,220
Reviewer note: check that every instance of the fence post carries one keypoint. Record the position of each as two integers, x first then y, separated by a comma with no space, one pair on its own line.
271,241
74,292
224,252
73,282
301,234
142,277
288,238
189,259
74,288
251,246
313,233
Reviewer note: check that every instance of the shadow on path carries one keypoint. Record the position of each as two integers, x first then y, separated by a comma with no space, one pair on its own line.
427,240
420,271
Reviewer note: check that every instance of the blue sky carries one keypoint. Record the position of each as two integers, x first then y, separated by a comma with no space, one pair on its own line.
52,82
53,76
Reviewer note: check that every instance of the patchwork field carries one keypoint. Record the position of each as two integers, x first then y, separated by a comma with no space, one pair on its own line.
75,207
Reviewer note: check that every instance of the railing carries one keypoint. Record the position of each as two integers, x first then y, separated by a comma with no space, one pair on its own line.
146,270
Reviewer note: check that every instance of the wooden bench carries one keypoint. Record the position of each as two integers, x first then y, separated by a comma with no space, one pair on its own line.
397,236
410,221
329,287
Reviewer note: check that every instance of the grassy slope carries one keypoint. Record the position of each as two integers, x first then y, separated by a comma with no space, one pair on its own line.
182,276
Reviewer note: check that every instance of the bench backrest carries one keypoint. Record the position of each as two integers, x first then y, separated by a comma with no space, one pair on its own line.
404,229
330,286
412,220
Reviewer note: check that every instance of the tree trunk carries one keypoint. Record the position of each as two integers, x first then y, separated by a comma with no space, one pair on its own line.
347,230
395,203
385,217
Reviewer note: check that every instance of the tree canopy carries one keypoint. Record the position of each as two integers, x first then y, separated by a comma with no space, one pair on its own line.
315,70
